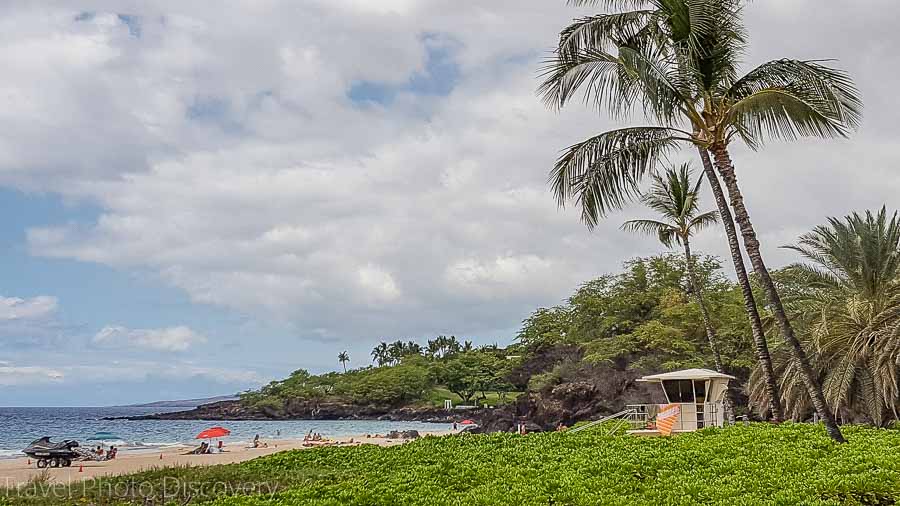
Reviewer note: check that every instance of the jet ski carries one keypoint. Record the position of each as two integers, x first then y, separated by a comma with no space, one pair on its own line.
50,454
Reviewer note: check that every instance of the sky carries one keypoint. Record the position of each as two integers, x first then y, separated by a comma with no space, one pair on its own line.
199,199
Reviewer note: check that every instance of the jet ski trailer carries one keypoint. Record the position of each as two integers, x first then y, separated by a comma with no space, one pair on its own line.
49,454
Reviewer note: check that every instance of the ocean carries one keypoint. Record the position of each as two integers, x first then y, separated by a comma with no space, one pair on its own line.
21,426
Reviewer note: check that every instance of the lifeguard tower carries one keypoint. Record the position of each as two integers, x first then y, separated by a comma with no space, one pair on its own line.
699,395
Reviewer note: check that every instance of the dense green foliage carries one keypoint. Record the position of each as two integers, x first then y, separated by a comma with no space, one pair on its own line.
845,303
408,374
642,320
745,465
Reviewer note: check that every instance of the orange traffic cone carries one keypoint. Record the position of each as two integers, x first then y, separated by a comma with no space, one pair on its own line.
29,462
81,468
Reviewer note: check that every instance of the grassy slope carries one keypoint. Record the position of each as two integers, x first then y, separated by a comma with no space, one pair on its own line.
759,464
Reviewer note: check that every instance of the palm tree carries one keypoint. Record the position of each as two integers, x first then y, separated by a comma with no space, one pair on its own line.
772,396
412,348
395,351
687,27
678,60
851,307
433,348
677,200
380,354
343,358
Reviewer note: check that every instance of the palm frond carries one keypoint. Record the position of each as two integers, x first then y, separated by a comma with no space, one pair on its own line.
598,71
665,232
602,173
609,31
704,220
790,98
609,4
665,89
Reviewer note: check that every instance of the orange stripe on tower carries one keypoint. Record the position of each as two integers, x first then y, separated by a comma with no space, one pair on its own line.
666,418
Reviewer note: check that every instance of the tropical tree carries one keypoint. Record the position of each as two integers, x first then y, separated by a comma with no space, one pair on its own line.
677,200
850,306
663,26
678,60
343,358
380,354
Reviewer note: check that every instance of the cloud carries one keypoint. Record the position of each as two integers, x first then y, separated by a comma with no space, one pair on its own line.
11,375
14,308
142,371
231,159
165,339
130,371
31,322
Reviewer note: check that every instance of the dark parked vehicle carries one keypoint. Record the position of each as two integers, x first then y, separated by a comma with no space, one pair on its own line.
49,454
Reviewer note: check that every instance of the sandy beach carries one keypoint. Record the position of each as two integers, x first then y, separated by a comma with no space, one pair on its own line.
14,472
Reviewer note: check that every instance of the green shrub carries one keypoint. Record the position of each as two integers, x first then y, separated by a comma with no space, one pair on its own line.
742,465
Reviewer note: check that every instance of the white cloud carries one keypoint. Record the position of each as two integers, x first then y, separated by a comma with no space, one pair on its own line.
14,308
226,156
165,339
27,375
137,371
377,284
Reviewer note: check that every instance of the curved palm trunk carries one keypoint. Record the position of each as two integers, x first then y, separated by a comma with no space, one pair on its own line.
751,244
756,329
704,312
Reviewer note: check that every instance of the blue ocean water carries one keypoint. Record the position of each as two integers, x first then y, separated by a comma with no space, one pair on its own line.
21,426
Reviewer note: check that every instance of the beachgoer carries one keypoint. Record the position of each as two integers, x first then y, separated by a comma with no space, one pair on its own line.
221,446
99,450
111,454
256,441
454,425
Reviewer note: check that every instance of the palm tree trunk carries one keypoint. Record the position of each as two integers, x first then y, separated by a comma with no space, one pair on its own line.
710,332
751,244
756,329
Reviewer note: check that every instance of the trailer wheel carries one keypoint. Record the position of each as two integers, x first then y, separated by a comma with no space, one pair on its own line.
42,463
66,463
54,463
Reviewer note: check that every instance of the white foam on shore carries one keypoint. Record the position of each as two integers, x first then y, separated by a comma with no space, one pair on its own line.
10,454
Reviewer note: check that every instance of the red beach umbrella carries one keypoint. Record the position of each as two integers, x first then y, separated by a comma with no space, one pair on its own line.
467,422
213,432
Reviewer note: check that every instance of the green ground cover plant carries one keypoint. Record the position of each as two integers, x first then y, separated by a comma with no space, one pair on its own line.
754,464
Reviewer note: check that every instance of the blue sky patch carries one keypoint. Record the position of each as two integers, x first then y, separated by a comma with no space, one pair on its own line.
133,23
440,76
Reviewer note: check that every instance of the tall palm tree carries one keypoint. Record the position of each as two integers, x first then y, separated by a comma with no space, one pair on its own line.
677,200
772,397
380,354
688,28
678,60
343,358
851,307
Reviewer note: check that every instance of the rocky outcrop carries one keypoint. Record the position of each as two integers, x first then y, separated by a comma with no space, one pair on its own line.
406,434
305,410
587,395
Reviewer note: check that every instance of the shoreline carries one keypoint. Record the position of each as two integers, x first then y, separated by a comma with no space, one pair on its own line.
15,472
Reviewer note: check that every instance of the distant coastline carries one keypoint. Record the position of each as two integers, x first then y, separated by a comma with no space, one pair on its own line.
182,403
